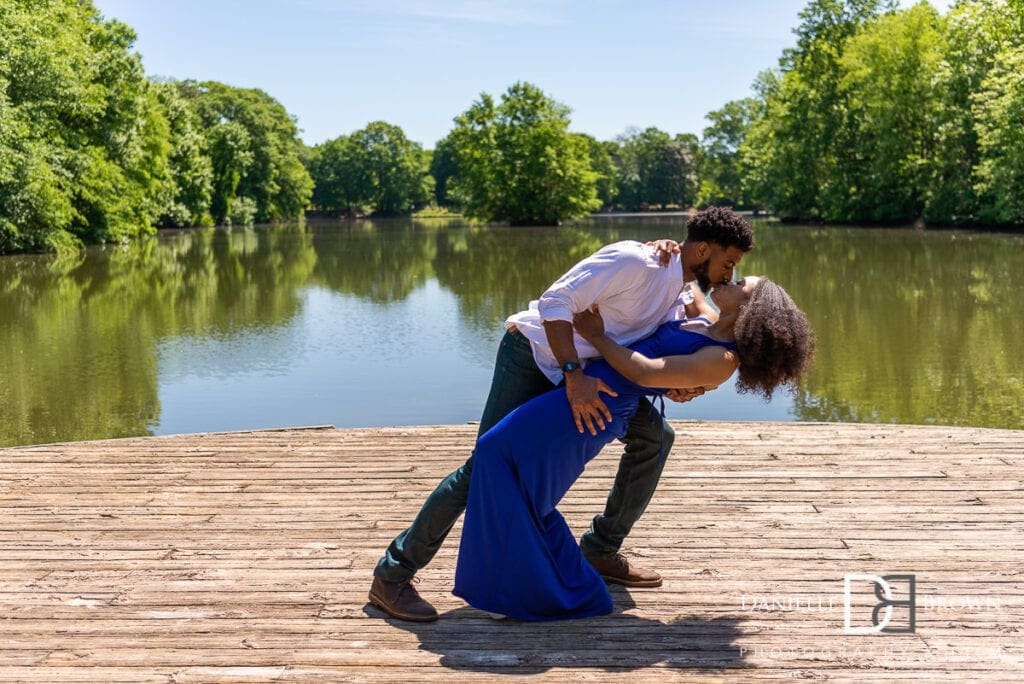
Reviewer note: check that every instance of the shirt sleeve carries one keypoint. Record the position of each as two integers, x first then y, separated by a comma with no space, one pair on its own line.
609,270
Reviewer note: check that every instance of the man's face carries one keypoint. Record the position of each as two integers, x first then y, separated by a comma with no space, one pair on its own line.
718,267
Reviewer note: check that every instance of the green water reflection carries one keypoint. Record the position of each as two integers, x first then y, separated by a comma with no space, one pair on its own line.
913,327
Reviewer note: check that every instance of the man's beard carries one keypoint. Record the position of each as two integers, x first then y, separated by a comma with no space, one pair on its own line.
703,277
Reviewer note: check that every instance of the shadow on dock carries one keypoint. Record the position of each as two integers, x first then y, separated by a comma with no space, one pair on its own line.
467,639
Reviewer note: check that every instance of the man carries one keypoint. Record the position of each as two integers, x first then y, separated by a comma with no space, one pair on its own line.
635,293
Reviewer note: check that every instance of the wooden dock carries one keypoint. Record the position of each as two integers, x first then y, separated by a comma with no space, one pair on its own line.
248,556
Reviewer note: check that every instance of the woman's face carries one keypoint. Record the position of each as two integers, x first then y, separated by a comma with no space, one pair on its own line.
732,296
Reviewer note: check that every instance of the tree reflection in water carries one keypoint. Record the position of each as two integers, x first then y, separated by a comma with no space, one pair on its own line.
913,327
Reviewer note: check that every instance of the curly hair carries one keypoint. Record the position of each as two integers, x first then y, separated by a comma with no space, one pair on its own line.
722,226
774,340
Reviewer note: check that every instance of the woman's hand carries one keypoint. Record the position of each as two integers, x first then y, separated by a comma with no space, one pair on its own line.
665,248
589,324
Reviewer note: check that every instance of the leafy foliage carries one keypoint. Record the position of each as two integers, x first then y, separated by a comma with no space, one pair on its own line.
601,162
889,116
793,149
376,169
889,85
84,153
875,115
92,151
191,167
720,173
518,161
443,168
252,137
656,169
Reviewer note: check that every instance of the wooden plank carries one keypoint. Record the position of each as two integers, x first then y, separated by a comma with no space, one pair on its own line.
247,556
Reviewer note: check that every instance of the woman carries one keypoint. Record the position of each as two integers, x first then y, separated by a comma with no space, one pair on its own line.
517,556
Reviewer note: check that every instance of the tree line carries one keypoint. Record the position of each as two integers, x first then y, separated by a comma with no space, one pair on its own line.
875,115
93,151
886,115
510,159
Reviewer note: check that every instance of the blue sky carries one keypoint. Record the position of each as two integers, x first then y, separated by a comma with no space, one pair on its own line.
339,64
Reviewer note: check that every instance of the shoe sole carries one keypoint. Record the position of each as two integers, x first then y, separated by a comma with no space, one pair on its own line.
636,584
408,617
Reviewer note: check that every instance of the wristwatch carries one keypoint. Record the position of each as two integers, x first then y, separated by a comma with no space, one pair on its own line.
570,366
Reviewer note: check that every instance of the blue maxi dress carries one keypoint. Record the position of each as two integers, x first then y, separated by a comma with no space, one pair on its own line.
517,555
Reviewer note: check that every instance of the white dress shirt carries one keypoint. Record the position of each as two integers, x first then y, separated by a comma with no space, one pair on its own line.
633,291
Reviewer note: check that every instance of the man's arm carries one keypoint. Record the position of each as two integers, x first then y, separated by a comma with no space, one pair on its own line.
612,268
580,389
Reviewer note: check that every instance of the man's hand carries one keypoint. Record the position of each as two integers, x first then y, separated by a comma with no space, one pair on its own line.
685,394
665,248
587,407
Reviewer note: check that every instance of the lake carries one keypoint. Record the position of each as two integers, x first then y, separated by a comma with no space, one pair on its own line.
397,322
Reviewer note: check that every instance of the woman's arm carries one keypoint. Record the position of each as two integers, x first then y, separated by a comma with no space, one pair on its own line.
700,307
710,366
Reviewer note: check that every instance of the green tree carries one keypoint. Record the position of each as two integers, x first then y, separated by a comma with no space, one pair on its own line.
890,116
443,168
518,161
602,163
624,152
395,167
720,174
231,157
999,112
670,173
327,168
655,169
681,165
84,152
191,169
375,169
792,152
275,179
889,83
975,33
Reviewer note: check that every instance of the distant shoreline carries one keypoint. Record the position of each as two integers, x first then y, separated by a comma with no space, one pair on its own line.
644,214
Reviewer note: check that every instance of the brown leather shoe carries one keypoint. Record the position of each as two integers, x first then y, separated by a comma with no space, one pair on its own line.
401,600
615,568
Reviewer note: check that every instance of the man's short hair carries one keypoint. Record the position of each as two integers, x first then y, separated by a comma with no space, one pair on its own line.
722,226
